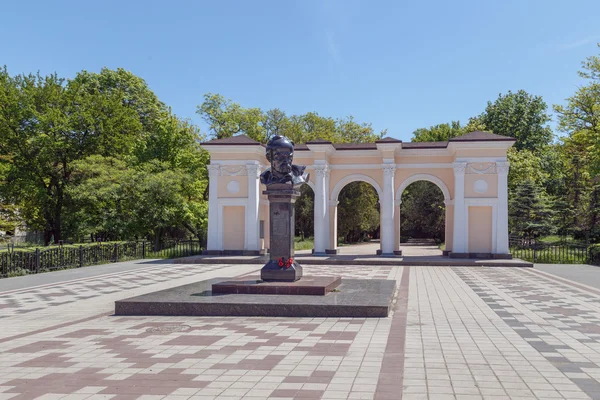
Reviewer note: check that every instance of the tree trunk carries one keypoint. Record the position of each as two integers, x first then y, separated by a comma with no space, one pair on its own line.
157,239
58,216
47,236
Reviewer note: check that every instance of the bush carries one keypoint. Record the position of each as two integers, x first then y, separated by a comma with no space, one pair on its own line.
594,252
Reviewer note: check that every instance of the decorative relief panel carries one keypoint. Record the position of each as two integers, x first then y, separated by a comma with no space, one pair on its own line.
213,170
480,186
481,168
234,170
233,187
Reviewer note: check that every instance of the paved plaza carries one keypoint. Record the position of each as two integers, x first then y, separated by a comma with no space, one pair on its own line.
454,333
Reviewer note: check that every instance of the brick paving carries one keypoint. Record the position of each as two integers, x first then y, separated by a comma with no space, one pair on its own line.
454,333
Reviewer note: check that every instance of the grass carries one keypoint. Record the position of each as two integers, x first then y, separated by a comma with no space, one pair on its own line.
306,244
555,238
442,246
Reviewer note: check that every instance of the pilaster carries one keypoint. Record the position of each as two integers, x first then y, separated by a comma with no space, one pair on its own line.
387,210
502,245
460,241
252,211
321,214
213,242
397,222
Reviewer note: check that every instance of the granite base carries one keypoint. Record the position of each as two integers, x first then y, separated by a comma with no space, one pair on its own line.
354,298
307,286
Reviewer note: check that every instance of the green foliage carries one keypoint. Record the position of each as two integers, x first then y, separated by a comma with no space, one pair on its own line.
530,211
17,272
358,212
423,213
304,212
307,243
48,124
525,165
117,201
9,220
439,133
580,117
519,115
226,118
77,155
594,254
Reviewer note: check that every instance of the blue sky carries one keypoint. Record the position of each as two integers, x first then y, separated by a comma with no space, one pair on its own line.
401,65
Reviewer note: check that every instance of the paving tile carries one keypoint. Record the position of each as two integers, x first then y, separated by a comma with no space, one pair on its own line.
460,333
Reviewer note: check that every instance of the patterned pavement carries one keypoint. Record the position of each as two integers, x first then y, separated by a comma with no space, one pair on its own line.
454,333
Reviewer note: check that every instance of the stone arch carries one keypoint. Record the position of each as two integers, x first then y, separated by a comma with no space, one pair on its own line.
354,178
423,177
398,200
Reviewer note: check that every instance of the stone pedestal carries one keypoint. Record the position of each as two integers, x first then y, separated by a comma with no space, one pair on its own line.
281,211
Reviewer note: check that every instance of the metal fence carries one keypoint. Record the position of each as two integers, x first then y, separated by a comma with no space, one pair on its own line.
19,261
559,252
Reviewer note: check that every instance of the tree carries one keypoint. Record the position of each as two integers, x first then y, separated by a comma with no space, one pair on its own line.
525,165
226,118
519,115
439,133
580,118
358,212
115,201
422,212
9,220
530,212
46,123
304,212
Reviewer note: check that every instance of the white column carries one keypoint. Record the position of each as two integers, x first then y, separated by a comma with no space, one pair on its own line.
333,225
397,222
387,210
252,211
214,171
321,224
459,238
327,228
502,222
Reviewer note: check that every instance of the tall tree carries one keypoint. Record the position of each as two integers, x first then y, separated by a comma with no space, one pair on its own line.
46,123
439,133
519,115
530,212
226,118
580,117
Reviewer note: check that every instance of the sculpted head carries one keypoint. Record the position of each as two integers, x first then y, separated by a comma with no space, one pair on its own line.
280,153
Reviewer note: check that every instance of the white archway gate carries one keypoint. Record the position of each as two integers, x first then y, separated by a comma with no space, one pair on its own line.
470,170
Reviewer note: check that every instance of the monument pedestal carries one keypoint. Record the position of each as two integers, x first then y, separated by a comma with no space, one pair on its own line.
281,265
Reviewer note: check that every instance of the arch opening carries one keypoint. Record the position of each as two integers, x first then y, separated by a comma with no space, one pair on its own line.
304,219
422,219
357,220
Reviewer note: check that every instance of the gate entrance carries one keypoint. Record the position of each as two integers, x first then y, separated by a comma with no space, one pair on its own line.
470,170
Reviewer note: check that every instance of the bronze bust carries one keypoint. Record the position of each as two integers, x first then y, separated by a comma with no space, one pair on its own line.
280,153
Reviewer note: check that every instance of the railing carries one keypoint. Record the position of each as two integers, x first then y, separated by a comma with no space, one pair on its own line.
31,261
559,252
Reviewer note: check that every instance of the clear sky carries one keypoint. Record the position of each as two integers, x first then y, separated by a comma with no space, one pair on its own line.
399,64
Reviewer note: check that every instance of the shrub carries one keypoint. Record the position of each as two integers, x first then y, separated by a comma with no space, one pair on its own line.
594,252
